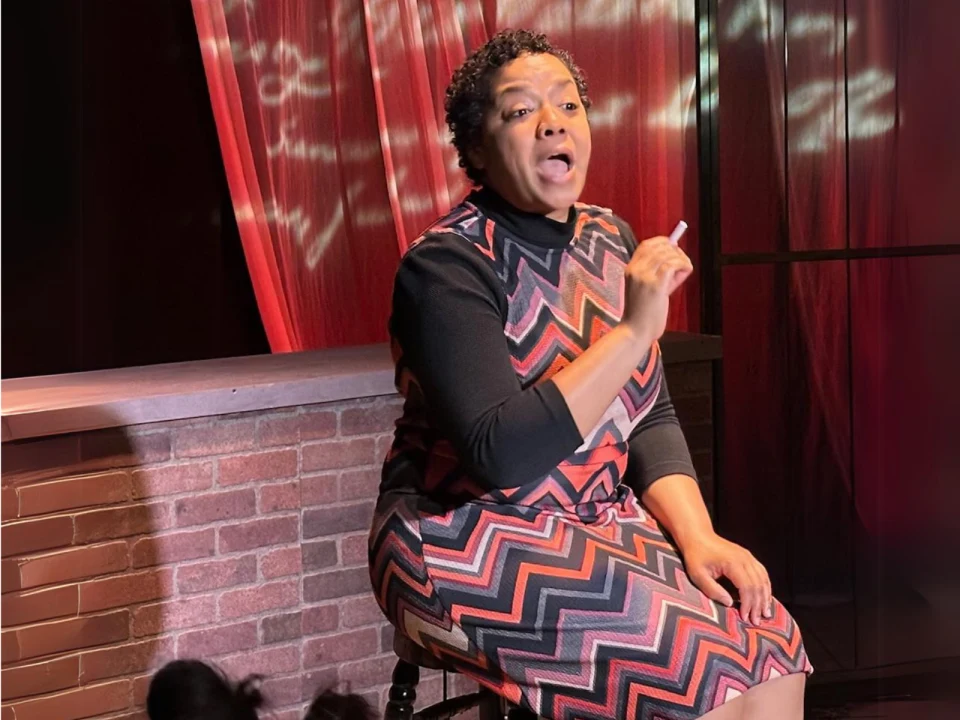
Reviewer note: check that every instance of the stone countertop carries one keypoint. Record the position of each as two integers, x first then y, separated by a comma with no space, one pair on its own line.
58,404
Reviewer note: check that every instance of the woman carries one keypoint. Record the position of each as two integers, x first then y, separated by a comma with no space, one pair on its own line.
509,540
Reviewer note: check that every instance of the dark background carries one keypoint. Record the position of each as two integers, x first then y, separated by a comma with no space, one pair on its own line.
120,246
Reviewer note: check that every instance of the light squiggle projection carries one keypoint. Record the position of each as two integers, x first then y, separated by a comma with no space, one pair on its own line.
290,80
816,111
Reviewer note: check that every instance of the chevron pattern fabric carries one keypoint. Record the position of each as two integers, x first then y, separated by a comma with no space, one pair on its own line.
564,595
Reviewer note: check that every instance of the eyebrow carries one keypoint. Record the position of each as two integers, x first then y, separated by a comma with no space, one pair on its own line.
522,86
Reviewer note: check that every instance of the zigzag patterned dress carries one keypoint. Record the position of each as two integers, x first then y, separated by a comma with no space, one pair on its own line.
505,543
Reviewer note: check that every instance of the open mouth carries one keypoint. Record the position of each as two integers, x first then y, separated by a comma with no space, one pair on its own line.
564,157
556,167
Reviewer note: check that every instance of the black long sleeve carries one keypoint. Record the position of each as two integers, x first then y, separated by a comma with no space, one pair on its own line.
448,317
657,446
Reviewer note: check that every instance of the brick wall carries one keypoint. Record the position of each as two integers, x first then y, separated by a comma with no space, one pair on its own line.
240,539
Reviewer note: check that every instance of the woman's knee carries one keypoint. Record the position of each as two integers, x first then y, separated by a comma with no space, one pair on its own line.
780,698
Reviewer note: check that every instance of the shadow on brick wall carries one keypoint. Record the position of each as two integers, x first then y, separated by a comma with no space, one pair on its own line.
82,612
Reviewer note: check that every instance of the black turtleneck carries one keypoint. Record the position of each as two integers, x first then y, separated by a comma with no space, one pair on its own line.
449,310
532,228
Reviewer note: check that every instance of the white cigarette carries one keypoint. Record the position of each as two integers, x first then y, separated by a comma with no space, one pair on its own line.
678,232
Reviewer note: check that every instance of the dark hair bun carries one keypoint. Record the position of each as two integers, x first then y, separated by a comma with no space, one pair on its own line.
248,693
330,705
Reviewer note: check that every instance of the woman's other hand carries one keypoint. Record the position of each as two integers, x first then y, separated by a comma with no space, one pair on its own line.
712,558
655,271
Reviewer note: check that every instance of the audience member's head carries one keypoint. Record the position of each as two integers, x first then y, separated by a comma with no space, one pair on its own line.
330,705
192,690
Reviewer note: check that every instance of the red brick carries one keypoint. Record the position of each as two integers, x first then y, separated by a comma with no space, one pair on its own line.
282,691
73,634
115,447
292,429
319,489
462,685
370,672
354,549
361,611
340,648
292,714
320,619
689,379
360,484
218,640
33,606
216,574
285,496
141,686
266,661
278,628
9,503
84,702
121,521
255,600
336,583
31,460
174,615
255,467
173,547
29,536
338,519
213,507
74,564
125,659
319,555
125,589
142,715
370,419
39,678
172,479
280,430
386,638
281,563
50,497
338,454
694,409
9,575
9,646
430,689
219,439
384,442
259,533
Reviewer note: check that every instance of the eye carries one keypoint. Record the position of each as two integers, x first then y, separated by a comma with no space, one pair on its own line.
570,106
518,113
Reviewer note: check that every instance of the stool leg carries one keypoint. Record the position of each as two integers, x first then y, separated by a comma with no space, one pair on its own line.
516,713
403,692
491,706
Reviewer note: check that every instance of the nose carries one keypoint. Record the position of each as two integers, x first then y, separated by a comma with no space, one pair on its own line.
551,123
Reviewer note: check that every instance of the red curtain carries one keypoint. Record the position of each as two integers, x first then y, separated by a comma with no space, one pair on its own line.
331,125
838,133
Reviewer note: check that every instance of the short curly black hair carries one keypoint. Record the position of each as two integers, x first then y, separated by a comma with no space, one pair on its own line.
468,95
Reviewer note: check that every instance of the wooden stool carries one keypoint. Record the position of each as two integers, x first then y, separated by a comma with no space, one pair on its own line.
403,690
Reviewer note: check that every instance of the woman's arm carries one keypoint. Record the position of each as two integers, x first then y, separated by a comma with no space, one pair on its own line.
661,472
449,315
676,503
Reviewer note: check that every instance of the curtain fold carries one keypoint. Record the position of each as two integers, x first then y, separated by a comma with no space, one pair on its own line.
332,130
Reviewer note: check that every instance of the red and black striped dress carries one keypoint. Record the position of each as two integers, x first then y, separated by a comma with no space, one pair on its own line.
504,542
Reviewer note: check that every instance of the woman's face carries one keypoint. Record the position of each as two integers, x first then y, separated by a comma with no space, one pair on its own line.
536,138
